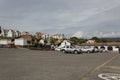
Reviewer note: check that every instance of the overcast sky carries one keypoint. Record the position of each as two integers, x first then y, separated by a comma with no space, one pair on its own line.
71,17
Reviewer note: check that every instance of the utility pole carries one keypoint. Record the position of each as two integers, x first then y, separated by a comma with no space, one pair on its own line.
0,30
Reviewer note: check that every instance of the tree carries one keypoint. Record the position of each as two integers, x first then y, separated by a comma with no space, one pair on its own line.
103,40
33,40
99,39
81,40
28,42
96,39
45,41
53,41
76,40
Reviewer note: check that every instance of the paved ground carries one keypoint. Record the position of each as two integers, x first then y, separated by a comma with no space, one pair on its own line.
23,64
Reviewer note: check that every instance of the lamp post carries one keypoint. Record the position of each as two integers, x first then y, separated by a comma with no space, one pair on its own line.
0,30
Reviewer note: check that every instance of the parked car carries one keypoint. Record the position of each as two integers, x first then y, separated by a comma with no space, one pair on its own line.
96,49
87,49
102,50
70,49
58,49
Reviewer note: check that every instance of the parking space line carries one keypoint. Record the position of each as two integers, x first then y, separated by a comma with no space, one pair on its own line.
113,67
100,66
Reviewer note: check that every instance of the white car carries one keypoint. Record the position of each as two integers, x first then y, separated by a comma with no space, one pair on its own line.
87,49
70,49
57,49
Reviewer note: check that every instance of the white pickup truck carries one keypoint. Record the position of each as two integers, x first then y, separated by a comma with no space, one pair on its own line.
70,49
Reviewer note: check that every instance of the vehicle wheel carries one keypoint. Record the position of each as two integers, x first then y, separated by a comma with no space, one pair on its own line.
88,51
63,51
76,52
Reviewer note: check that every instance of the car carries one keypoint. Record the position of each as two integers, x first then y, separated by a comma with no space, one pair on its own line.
70,49
87,49
57,49
102,50
96,50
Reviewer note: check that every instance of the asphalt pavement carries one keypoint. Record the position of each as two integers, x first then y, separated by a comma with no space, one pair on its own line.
24,64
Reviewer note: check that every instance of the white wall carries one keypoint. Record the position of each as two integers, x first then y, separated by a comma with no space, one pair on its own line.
115,49
4,42
10,34
21,42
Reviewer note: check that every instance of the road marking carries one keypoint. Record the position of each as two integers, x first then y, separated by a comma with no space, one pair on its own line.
100,66
113,67
109,76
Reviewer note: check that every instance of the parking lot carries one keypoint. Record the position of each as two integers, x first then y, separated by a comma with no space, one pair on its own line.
24,64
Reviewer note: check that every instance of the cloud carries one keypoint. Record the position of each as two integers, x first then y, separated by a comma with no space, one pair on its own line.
64,16
78,34
111,34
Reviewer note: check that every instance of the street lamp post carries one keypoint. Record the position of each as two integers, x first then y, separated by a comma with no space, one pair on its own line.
0,30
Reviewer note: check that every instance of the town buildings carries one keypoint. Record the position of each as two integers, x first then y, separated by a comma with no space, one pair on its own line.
42,35
58,36
10,33
25,39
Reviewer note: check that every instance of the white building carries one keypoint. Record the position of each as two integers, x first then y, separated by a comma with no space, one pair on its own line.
42,35
25,33
5,42
13,33
17,33
91,41
10,33
4,33
58,36
23,41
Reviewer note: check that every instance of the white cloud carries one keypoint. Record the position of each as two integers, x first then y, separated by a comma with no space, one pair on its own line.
78,34
112,34
64,15
107,34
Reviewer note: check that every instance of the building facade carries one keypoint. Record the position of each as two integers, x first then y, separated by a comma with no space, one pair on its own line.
58,36
10,33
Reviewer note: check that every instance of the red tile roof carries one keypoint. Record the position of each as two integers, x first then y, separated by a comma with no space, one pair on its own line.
101,44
